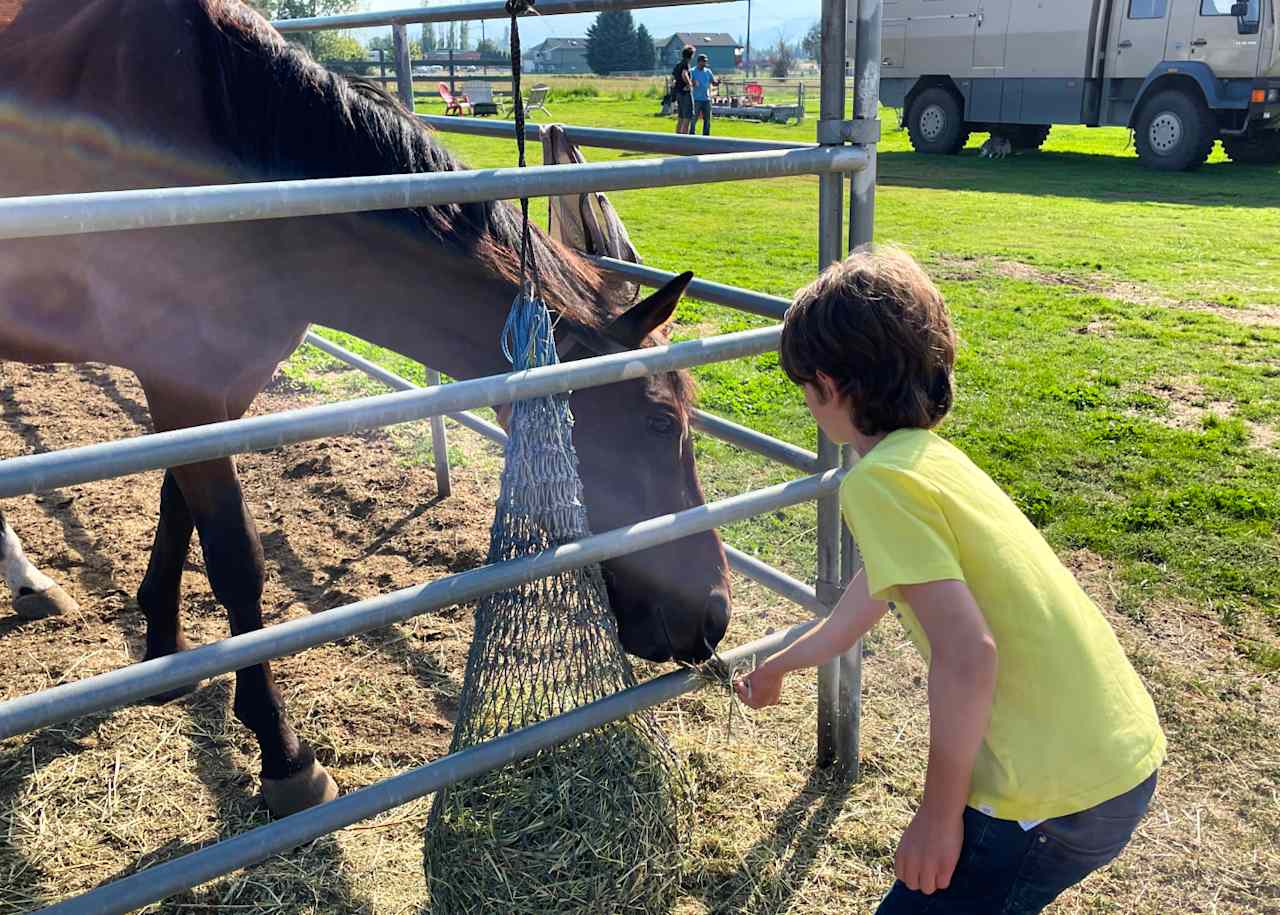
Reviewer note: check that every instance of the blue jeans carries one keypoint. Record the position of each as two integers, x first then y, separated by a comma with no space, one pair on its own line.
701,109
1005,870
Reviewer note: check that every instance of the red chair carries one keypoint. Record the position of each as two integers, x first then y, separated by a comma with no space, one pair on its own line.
755,93
454,104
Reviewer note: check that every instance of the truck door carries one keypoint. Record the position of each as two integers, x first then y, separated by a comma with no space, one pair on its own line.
1140,28
1207,32
991,34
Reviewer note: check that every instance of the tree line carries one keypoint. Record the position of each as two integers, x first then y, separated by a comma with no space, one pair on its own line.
616,45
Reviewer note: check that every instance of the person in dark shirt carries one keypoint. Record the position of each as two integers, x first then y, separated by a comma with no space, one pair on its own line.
682,89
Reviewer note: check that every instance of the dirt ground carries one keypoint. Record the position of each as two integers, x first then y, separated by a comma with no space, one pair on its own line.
92,800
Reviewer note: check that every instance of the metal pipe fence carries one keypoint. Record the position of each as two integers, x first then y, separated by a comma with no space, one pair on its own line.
148,678
837,557
757,303
468,12
111,211
39,472
155,883
610,138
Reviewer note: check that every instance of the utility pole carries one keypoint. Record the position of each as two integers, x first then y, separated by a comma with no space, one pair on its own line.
749,69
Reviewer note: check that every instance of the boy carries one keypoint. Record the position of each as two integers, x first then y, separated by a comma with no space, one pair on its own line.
703,79
1043,743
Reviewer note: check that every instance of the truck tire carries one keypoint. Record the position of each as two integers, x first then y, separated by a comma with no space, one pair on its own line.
936,124
1174,131
1259,149
1025,137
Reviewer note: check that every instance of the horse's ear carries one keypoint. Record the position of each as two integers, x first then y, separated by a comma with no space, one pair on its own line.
632,326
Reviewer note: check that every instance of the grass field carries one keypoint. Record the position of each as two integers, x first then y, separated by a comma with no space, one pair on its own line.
1120,375
1121,341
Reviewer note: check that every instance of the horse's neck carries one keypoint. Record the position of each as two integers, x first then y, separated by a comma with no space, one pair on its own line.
438,310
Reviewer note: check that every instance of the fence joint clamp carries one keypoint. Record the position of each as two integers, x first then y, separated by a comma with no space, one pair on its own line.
861,131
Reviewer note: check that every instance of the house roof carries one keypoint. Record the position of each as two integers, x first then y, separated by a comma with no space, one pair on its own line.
555,44
704,39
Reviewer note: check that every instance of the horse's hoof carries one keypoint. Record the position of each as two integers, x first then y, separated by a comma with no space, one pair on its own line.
41,604
304,789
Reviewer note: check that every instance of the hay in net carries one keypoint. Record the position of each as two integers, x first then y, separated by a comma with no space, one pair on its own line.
597,824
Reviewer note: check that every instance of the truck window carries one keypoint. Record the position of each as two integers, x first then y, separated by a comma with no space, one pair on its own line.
1149,9
1223,8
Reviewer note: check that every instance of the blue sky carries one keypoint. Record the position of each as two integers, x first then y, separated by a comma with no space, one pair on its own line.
769,19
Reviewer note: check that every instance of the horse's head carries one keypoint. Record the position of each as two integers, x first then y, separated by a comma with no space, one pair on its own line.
635,454
635,458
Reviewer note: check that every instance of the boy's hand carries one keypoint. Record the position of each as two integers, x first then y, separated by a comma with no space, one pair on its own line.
929,851
761,687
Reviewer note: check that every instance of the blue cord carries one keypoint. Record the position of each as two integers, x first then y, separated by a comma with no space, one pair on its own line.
528,339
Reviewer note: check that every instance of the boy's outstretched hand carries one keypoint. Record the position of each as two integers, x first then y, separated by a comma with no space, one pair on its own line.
761,687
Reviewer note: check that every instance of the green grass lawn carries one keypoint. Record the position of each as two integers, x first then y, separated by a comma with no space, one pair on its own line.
1120,363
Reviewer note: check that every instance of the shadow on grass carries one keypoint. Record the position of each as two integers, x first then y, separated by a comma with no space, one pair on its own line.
774,869
1105,178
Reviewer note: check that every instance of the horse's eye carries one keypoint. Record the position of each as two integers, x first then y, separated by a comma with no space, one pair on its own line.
662,424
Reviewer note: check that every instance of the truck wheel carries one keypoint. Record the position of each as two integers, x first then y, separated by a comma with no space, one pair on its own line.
1174,131
936,124
1024,136
1259,149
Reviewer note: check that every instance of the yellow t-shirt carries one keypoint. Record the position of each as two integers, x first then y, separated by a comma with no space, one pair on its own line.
1071,723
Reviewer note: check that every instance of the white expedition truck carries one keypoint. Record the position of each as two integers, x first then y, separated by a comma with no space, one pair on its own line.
1180,73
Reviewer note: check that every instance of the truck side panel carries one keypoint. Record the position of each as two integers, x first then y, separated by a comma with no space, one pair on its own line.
1050,39
1023,101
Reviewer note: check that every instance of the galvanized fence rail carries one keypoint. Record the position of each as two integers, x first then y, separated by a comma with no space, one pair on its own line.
709,159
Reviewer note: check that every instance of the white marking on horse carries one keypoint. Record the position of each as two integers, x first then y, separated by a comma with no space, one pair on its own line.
19,573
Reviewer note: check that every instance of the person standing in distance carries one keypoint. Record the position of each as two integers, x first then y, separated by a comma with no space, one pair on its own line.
703,79
682,89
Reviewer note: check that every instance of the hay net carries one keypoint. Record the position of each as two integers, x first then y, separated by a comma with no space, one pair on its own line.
597,824
551,645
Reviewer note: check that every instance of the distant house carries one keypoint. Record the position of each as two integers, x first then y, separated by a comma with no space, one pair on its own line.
721,49
559,55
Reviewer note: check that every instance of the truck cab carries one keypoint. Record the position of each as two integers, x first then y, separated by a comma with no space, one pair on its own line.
1181,74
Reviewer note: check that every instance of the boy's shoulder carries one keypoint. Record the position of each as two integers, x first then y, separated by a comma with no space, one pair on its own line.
914,458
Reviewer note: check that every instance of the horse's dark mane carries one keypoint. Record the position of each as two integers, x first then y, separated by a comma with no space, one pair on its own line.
283,116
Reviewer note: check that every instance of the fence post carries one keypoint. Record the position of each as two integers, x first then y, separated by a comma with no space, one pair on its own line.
836,732
382,68
439,445
404,69
453,88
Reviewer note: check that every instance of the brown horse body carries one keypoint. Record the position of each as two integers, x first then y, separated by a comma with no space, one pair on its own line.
158,93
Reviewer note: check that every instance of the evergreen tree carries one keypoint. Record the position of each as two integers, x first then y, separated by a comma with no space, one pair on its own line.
812,42
646,54
465,36
611,42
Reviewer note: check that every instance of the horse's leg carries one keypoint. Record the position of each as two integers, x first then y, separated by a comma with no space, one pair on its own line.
35,595
291,778
161,588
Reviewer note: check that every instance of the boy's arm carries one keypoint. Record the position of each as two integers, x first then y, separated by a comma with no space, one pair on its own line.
851,618
962,678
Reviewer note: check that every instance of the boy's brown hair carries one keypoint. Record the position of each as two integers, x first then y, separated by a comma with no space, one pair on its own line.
877,325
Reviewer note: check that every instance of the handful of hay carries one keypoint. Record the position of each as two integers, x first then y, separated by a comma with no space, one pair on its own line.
598,824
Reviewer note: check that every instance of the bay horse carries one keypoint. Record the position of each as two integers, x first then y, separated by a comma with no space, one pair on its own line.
116,94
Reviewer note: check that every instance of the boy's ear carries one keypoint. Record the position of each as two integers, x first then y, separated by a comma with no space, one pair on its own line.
827,386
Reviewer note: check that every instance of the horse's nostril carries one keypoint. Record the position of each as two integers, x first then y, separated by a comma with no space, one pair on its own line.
715,618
